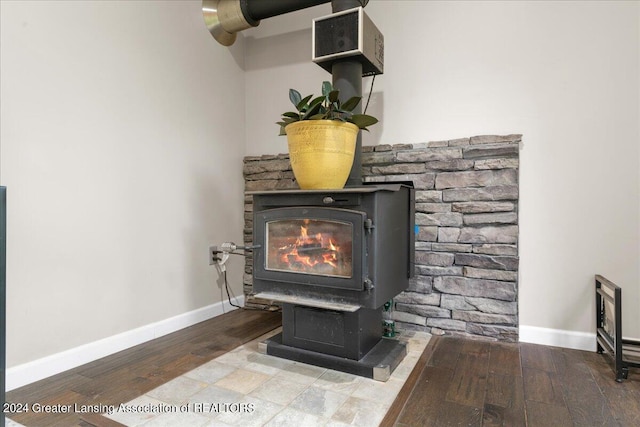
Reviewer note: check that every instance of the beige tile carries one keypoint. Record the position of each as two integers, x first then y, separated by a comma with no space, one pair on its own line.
242,381
290,417
334,423
266,364
340,382
382,393
177,391
278,391
136,418
178,419
320,402
411,358
215,423
238,357
359,412
301,373
210,400
403,370
210,372
8,422
262,412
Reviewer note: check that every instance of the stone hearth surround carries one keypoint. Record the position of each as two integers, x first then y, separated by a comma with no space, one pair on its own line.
466,278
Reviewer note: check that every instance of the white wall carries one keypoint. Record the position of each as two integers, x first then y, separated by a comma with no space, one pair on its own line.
121,148
564,74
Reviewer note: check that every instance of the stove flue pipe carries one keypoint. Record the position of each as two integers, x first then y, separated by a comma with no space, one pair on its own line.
347,77
225,18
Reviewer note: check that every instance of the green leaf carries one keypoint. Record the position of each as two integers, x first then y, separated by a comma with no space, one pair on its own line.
294,97
303,102
316,101
363,120
351,103
326,88
312,111
282,126
327,107
286,120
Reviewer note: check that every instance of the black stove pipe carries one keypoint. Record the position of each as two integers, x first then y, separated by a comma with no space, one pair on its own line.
262,9
347,77
225,18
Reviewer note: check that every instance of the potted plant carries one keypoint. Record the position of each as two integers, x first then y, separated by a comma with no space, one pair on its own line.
321,135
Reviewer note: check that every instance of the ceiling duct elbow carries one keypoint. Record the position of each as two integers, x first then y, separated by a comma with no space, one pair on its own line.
224,19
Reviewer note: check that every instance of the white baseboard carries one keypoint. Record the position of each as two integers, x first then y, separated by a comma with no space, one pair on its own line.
27,373
558,338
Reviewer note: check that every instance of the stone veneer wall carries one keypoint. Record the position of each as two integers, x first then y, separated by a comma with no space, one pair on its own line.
466,274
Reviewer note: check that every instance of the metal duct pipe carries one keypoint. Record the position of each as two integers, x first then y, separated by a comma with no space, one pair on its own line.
347,77
226,18
262,9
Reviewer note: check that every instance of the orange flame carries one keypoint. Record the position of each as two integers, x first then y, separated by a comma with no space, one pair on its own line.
318,251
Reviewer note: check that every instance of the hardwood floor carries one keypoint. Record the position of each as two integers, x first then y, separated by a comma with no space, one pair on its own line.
130,373
475,383
455,382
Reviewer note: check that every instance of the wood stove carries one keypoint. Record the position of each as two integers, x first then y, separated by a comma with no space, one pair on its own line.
333,258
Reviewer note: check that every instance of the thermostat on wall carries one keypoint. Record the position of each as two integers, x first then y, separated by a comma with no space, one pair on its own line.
349,33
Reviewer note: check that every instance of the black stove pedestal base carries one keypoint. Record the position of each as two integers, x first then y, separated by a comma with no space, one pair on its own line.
342,340
350,334
378,363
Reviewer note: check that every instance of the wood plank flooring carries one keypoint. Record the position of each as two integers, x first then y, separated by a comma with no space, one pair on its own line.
130,373
455,382
476,383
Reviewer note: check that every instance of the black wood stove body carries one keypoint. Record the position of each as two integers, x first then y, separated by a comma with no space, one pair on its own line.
333,258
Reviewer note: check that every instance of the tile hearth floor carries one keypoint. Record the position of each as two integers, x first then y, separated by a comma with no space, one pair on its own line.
281,392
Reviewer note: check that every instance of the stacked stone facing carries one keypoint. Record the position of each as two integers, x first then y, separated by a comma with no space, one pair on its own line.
466,274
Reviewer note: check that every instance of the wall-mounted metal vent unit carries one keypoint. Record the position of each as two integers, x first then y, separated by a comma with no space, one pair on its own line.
345,34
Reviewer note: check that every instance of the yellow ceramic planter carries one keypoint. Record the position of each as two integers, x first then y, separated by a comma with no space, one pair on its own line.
321,152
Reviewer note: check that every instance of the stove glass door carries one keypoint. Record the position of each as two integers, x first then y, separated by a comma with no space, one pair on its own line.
310,246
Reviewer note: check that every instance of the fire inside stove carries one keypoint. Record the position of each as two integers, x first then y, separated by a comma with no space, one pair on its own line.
309,246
